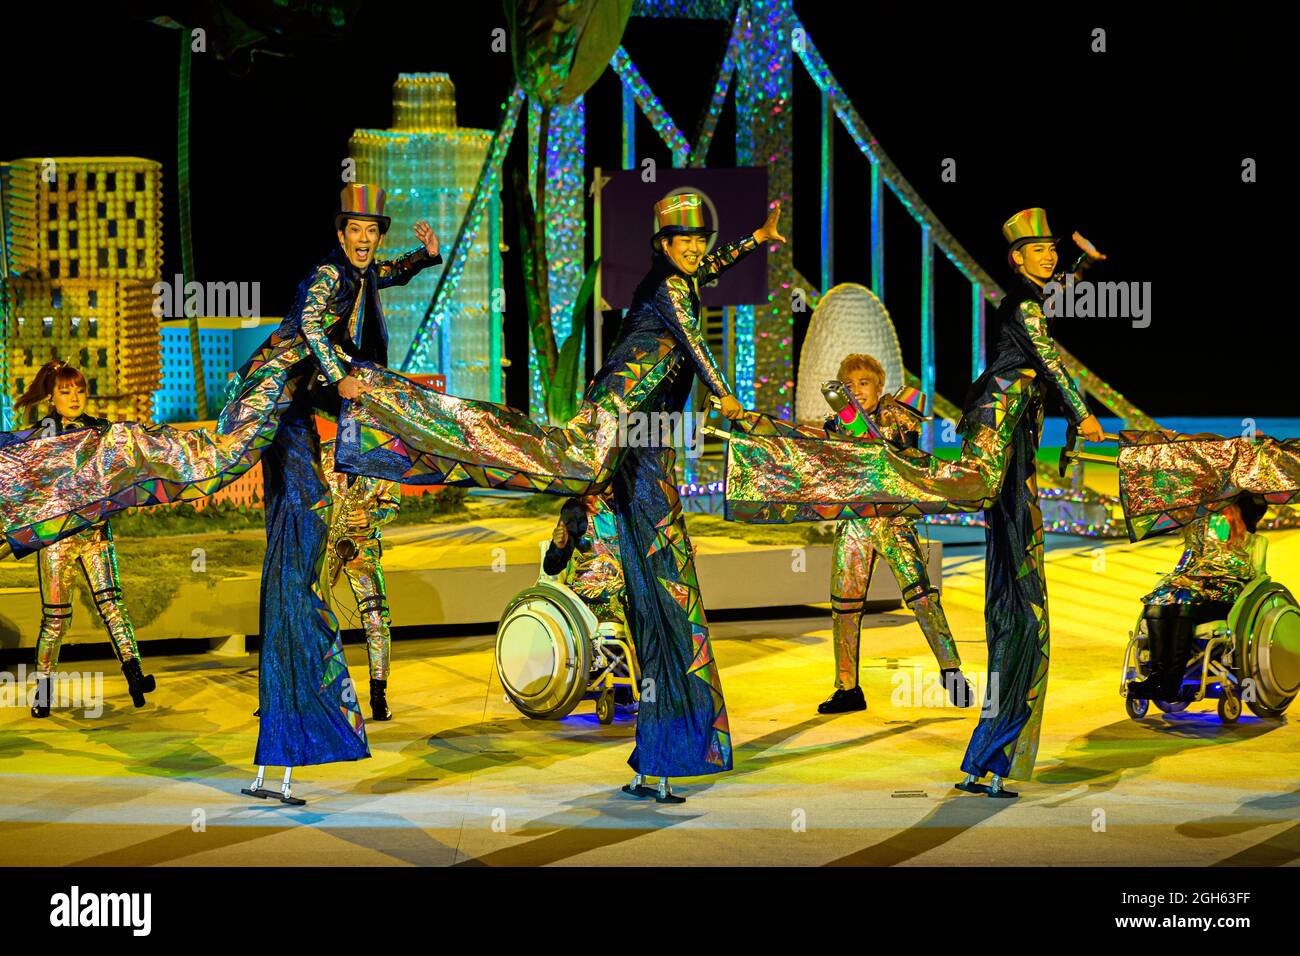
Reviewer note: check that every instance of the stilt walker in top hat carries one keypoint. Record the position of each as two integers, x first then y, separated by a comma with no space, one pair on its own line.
308,704
682,722
682,727
1025,367
309,710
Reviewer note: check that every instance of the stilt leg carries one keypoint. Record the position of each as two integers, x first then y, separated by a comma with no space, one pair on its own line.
665,794
637,787
284,794
998,789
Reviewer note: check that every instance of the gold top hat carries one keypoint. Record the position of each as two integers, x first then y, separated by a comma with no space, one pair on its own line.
683,213
1028,225
362,201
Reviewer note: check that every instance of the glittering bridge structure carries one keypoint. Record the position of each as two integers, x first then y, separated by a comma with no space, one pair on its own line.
766,41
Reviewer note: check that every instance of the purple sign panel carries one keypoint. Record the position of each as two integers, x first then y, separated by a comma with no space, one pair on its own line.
736,204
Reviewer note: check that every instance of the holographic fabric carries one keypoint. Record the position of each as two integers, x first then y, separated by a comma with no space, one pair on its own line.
1168,481
359,511
1025,342
52,487
309,708
402,431
1217,562
779,473
91,553
1016,631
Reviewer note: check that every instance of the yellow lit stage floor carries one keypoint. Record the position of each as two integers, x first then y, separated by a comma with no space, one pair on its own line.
459,777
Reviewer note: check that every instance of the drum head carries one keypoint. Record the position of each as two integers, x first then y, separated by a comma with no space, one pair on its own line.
1268,634
543,653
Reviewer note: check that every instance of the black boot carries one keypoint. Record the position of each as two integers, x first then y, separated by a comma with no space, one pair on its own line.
41,703
843,701
137,682
1152,685
1178,651
959,691
379,700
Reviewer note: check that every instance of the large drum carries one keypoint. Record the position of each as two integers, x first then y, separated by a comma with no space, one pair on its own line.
544,655
1267,651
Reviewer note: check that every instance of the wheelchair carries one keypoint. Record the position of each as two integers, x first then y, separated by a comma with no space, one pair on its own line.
552,653
1252,657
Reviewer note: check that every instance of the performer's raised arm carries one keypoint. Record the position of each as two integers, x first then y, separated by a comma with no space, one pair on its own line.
401,270
726,255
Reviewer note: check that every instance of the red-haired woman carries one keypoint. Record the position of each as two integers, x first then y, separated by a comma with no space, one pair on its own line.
63,389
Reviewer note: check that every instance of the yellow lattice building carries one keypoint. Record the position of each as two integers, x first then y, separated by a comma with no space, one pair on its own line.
81,252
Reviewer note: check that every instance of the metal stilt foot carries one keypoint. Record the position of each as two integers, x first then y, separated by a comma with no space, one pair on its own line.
637,787
998,789
284,794
665,794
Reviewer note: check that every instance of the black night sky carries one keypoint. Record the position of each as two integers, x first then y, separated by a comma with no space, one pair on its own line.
1140,148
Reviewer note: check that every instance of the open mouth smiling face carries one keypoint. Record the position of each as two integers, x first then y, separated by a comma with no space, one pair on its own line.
360,238
686,252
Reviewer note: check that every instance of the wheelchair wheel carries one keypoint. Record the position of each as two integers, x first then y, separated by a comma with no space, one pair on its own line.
1171,706
1268,645
605,707
1137,709
1229,708
543,655
1267,713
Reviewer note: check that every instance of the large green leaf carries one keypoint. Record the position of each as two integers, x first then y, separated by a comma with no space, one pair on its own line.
560,47
601,35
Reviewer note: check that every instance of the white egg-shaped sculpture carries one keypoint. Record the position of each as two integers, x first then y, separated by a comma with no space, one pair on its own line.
848,319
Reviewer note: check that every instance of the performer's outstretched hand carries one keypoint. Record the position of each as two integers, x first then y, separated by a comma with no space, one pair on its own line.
426,236
731,406
1090,428
351,387
768,232
1089,249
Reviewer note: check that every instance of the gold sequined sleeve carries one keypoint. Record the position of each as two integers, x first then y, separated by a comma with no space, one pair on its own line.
401,270
1049,359
675,305
723,257
323,285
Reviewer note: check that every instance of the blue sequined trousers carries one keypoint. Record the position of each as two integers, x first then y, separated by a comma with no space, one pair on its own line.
310,713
